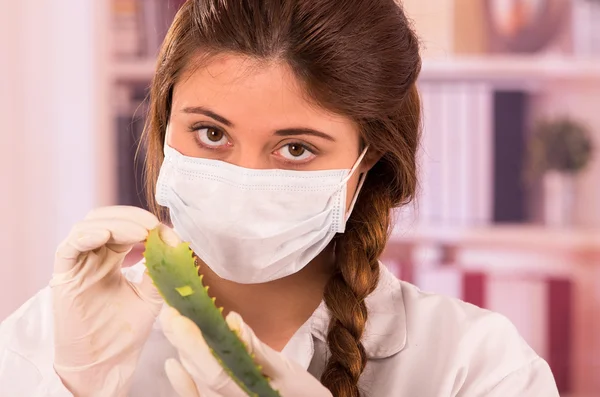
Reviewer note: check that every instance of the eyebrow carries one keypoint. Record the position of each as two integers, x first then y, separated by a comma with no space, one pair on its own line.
303,131
208,113
282,132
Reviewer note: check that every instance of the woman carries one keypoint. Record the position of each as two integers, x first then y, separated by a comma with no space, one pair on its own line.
281,135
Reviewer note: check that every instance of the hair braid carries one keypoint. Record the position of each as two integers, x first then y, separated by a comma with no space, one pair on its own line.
357,275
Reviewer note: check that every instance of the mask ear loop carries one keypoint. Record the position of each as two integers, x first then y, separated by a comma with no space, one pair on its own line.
355,166
360,182
355,198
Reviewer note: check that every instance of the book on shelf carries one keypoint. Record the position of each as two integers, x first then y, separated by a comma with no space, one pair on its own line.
586,28
140,26
130,117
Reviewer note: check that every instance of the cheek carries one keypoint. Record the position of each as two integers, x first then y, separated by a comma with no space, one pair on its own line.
181,140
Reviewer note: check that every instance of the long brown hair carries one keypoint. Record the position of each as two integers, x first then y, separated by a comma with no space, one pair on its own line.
359,58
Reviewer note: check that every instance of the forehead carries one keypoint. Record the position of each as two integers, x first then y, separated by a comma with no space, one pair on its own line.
250,92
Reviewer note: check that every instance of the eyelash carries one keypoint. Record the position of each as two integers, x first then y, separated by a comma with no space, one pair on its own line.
196,128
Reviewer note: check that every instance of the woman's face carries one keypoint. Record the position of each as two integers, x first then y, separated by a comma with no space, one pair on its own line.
256,115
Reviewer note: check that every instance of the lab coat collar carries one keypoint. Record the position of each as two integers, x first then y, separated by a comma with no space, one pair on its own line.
385,331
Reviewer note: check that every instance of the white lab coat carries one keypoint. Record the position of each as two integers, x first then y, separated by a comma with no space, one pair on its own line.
418,345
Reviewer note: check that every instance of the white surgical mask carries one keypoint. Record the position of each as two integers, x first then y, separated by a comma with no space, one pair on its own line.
252,225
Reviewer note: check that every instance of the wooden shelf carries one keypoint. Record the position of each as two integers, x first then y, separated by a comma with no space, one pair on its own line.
133,70
515,236
513,68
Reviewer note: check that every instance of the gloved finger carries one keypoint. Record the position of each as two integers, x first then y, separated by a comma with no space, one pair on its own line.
73,246
273,363
121,232
183,383
180,379
195,355
168,235
137,215
90,235
148,293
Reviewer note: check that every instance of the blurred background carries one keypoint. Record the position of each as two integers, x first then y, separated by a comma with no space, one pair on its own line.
508,214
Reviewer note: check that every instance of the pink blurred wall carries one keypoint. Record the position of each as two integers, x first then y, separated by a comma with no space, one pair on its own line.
48,130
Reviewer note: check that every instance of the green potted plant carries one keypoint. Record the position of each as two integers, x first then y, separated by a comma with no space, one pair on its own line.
559,149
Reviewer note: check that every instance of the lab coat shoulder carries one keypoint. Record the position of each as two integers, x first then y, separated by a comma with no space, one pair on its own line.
27,348
27,351
476,352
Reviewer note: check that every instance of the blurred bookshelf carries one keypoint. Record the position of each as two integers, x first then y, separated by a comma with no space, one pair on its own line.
139,26
136,29
477,107
461,86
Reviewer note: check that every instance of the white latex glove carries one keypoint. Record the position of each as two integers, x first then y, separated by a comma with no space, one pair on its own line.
101,320
200,375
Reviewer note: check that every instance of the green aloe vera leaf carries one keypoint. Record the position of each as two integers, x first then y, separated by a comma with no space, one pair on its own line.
175,275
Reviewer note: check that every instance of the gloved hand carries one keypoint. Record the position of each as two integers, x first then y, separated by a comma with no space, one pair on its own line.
200,375
101,320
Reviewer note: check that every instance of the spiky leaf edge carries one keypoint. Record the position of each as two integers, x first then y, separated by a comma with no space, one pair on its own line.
154,235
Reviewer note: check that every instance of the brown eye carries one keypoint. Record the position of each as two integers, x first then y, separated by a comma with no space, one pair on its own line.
296,150
295,153
214,135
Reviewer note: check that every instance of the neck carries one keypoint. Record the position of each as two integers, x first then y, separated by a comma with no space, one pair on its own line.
276,309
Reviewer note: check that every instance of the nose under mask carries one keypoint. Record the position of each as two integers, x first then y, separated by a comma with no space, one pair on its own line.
253,226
